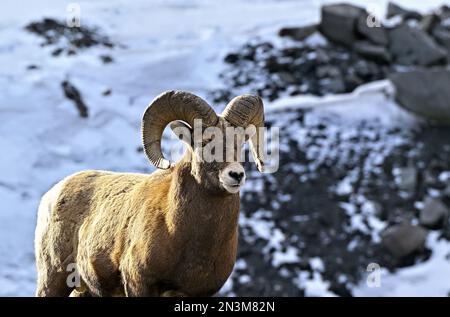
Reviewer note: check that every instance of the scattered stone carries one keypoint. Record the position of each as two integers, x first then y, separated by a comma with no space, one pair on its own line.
408,177
338,22
57,52
334,85
288,78
412,46
404,239
434,213
324,71
106,59
372,51
395,10
298,33
67,38
231,58
425,93
32,67
107,92
72,93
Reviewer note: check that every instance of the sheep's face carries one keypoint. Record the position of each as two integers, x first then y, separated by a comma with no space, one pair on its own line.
216,154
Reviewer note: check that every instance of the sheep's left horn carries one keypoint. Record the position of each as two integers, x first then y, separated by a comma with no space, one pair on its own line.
243,111
167,107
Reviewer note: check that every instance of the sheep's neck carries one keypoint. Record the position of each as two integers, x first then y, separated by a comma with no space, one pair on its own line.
197,213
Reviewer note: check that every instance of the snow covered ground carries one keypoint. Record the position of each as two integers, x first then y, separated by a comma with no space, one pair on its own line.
166,45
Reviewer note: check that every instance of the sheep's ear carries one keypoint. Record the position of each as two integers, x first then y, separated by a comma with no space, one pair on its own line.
183,131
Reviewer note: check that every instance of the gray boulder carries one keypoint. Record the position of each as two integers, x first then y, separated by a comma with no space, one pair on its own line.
447,191
412,46
396,10
429,22
372,51
404,239
338,22
425,93
434,213
298,33
442,36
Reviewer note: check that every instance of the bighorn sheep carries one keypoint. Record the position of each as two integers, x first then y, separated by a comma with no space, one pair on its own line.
171,233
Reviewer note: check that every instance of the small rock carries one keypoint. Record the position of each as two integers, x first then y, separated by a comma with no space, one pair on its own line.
363,69
32,67
434,213
338,22
425,93
288,78
231,58
298,33
395,10
372,51
404,239
57,52
412,46
327,71
107,92
72,93
272,65
106,59
334,85
408,179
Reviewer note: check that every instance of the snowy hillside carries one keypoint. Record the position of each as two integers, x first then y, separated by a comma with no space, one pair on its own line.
176,44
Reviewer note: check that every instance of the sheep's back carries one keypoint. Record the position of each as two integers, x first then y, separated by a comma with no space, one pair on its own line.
85,197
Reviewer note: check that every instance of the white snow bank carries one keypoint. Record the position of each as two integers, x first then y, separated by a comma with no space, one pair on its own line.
373,101
429,278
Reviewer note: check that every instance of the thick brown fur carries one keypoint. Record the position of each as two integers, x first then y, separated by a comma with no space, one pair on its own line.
162,234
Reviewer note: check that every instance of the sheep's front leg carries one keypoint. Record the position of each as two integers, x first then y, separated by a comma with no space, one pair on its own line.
77,293
81,291
134,285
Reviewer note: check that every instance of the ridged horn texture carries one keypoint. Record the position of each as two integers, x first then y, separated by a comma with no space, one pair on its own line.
168,107
243,111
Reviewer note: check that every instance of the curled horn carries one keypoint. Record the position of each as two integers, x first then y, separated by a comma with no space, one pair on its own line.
168,107
243,111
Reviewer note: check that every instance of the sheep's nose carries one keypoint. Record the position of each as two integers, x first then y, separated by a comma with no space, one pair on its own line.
236,175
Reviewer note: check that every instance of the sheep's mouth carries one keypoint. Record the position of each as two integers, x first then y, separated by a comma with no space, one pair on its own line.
235,185
231,188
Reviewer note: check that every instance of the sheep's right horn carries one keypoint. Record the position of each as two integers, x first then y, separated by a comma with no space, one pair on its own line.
243,111
168,107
